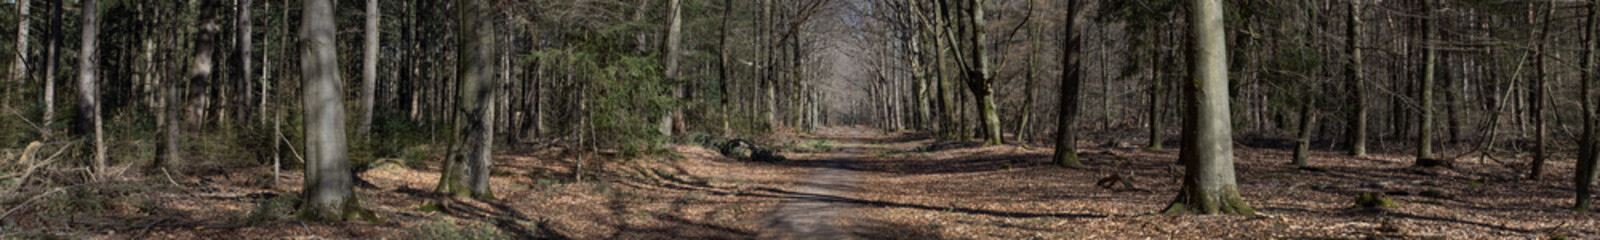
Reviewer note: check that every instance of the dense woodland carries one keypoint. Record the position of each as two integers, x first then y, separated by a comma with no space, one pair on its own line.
307,95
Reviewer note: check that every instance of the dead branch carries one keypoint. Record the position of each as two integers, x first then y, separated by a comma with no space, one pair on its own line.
30,200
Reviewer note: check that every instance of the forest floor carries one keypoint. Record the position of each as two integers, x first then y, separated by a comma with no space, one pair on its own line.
862,185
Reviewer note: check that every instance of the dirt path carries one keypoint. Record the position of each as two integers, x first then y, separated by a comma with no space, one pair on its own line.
819,210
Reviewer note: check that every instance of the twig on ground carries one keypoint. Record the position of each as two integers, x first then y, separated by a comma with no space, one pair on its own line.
169,178
30,200
34,167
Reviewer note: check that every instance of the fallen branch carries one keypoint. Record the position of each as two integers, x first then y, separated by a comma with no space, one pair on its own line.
30,200
291,147
34,167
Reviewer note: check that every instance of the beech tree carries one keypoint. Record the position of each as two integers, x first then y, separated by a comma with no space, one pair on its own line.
1209,185
88,94
466,171
328,194
1071,84
369,69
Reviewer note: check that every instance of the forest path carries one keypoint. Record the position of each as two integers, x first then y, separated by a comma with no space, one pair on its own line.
822,206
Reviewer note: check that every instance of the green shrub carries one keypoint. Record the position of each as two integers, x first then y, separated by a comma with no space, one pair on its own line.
1375,201
446,229
278,208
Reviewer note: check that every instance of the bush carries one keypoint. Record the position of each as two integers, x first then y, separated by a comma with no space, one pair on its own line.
1375,201
446,229
278,208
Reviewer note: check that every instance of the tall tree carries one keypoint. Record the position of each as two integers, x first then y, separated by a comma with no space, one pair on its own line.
19,71
670,56
369,69
1357,129
88,95
245,44
328,178
1209,185
1536,98
722,68
1587,159
1066,154
52,64
980,79
466,171
1429,56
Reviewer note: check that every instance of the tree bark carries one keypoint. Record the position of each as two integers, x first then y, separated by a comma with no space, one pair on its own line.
1536,168
1302,144
980,80
1587,159
1429,56
369,70
89,95
1357,128
328,178
670,56
1155,121
466,173
1066,154
723,70
51,65
19,71
1209,185
246,76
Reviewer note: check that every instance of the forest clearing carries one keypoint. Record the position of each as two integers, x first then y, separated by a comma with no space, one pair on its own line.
799,119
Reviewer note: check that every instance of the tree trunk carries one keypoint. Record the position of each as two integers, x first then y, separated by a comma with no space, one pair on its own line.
19,71
1066,154
723,70
1587,161
1302,144
245,45
670,56
328,178
1537,99
467,173
51,65
369,70
1155,121
1357,129
1026,114
1209,186
1429,55
979,79
89,96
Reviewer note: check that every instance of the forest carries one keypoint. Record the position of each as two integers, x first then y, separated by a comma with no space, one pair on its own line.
799,119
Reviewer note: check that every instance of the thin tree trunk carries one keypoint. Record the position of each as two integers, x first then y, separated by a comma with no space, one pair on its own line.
722,68
1587,159
245,45
1429,56
670,58
52,64
1066,154
1537,99
89,94
1357,128
1209,185
19,71
1155,121
1028,86
328,178
1302,144
369,70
